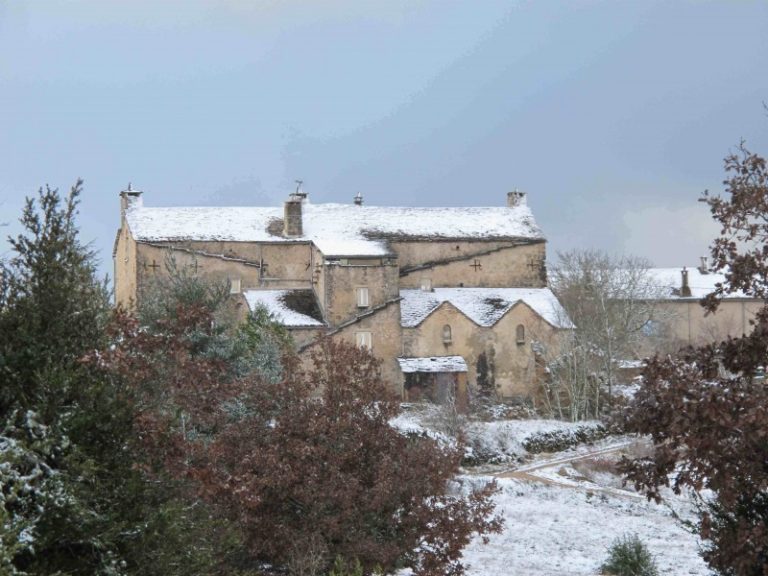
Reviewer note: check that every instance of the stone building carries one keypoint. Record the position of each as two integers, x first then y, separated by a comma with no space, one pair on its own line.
683,321
446,298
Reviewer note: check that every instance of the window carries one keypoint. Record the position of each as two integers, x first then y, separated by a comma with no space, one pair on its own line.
651,328
520,334
362,297
447,334
426,284
363,340
234,285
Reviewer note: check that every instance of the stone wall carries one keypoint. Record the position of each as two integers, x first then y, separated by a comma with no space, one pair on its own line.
685,322
513,365
472,264
386,343
340,289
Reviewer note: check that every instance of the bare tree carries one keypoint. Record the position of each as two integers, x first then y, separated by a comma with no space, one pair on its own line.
614,303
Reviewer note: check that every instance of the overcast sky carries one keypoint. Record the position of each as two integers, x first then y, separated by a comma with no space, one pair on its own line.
614,116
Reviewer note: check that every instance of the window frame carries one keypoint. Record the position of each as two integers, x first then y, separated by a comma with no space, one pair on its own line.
360,301
364,339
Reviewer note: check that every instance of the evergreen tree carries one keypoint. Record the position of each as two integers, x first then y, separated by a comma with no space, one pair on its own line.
71,499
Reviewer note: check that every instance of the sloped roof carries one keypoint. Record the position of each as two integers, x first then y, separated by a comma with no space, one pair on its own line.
433,364
484,306
670,280
336,229
292,308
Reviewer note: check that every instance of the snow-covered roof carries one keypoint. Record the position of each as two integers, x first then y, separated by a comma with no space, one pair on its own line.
292,308
433,364
484,306
336,229
670,280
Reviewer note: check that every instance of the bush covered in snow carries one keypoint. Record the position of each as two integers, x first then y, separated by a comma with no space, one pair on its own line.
628,556
558,440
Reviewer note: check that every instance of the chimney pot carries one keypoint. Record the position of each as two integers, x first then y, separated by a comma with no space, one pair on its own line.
516,198
704,267
358,199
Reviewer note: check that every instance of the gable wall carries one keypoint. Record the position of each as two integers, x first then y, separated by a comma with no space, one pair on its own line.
515,370
125,268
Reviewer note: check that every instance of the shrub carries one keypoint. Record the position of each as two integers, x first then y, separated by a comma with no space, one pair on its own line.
628,556
558,440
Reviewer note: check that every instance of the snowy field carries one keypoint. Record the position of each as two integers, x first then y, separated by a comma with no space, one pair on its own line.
554,530
563,510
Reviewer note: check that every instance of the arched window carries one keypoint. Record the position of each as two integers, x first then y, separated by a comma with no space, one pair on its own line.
520,334
447,334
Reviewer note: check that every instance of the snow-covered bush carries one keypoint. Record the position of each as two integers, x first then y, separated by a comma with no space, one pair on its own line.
557,440
628,556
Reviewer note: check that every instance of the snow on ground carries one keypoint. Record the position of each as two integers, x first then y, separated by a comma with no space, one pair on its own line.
561,515
551,530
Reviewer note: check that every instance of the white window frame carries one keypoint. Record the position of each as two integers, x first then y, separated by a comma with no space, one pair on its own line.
362,297
364,339
426,284
234,286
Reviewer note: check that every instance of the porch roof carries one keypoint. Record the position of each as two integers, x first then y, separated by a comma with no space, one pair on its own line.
433,364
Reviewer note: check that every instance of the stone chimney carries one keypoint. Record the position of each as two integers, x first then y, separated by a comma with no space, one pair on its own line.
292,221
703,267
685,289
515,198
129,198
358,199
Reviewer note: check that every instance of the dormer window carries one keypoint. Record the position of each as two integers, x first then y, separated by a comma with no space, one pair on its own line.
447,337
520,333
426,284
362,297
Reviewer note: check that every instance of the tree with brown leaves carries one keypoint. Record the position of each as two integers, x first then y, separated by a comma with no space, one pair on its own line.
705,410
307,466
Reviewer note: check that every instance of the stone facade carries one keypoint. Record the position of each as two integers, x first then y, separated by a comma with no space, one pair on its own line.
355,261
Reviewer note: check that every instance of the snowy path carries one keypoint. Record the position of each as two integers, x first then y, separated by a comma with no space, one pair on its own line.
542,471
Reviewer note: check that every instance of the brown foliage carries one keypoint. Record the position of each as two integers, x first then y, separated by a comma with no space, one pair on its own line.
705,411
310,459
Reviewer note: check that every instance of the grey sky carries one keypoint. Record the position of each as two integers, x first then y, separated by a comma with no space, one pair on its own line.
614,116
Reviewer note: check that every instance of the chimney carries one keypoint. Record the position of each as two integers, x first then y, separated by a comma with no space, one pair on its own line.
358,199
129,198
685,289
703,267
292,226
515,198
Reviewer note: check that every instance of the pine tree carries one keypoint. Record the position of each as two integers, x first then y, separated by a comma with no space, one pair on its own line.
71,499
